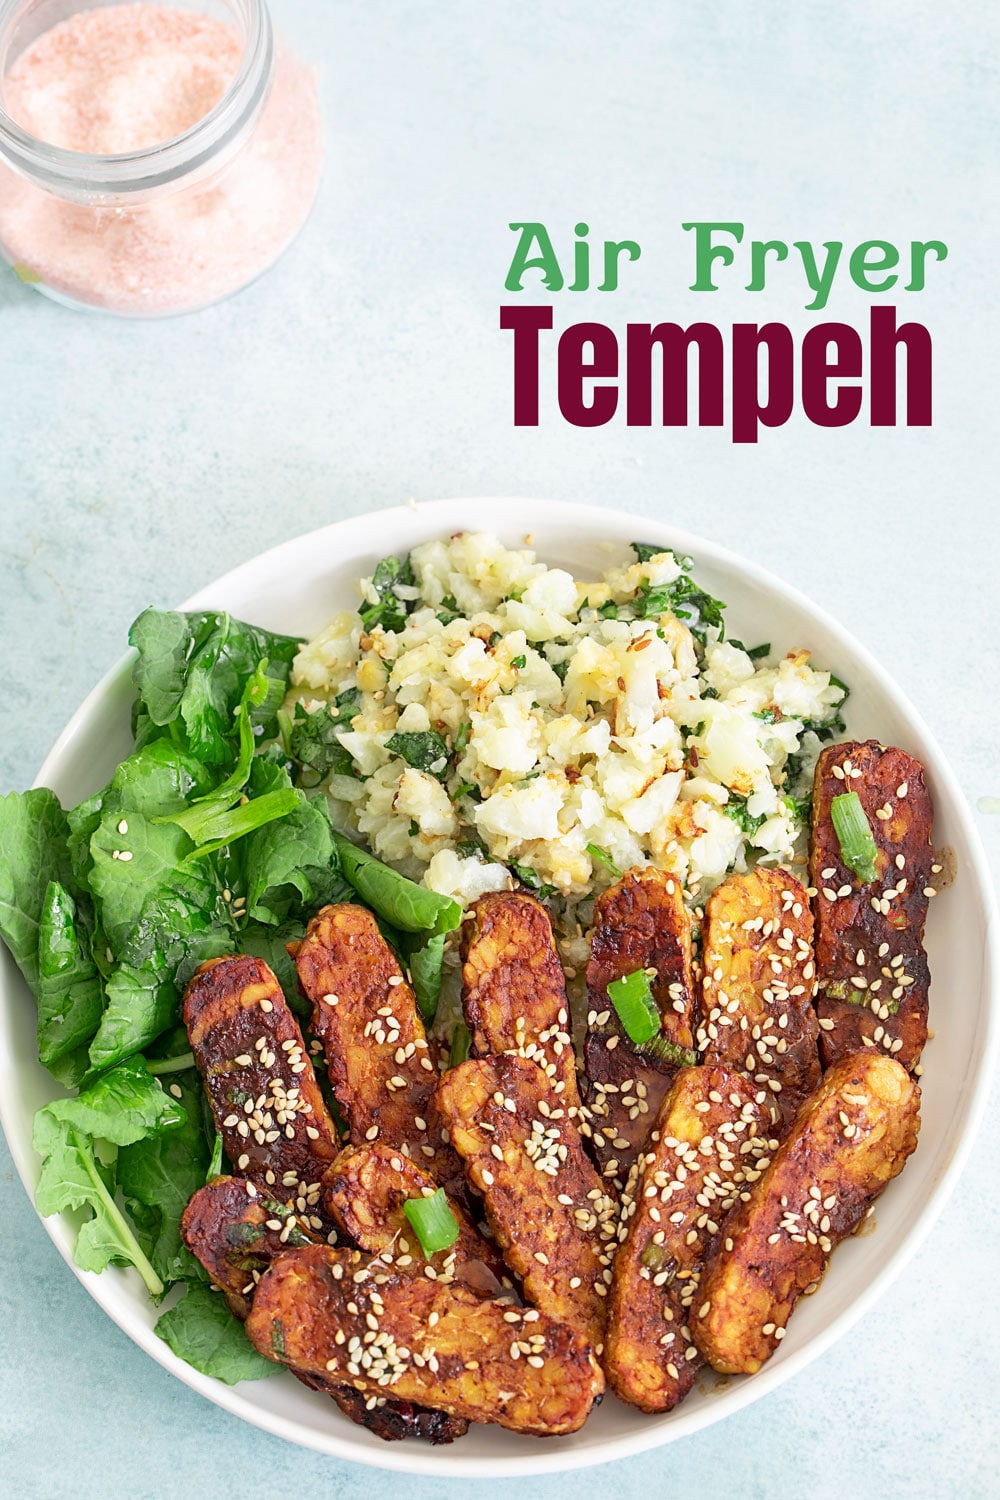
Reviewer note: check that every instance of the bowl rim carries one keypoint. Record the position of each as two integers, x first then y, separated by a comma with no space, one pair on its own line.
515,514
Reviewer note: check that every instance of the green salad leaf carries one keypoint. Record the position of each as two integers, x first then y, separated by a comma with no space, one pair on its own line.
403,903
201,1330
157,1176
190,676
33,834
123,1106
426,965
70,995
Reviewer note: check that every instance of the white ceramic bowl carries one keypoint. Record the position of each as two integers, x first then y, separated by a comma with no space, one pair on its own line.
295,588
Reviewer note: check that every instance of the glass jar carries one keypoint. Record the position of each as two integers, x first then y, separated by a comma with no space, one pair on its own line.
171,226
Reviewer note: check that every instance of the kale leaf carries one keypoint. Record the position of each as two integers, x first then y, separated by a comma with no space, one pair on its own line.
70,996
408,906
191,673
121,1107
33,837
201,1330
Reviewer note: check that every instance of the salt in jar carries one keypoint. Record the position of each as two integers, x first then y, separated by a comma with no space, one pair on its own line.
153,158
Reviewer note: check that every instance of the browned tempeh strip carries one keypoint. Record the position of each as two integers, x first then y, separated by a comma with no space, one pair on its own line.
230,1228
364,1193
514,989
711,1141
365,1014
275,1126
625,1091
760,978
639,923
851,1138
869,938
543,1198
441,1345
235,1231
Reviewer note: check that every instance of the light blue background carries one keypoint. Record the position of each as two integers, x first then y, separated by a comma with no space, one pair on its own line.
138,461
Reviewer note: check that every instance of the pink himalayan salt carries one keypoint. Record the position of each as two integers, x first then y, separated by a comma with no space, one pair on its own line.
127,77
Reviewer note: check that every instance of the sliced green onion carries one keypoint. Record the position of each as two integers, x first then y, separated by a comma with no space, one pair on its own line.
461,1041
638,1012
433,1222
602,857
858,849
665,1050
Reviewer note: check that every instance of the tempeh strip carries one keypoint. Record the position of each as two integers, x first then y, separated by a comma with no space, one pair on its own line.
364,1193
514,989
268,1107
711,1141
850,1139
441,1345
236,1232
639,923
543,1198
760,978
365,1015
870,958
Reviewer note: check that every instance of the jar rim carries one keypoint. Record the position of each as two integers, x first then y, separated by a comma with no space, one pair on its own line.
85,174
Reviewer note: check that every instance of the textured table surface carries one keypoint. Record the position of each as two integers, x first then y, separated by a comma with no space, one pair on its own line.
138,461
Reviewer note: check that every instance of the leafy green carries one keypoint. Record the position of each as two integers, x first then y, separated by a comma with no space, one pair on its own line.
388,610
528,877
424,750
70,997
141,1003
518,662
408,906
426,964
800,808
736,808
602,857
461,1041
190,676
202,1331
123,1106
197,817
755,653
683,598
292,859
33,837
449,610
645,550
313,742
158,1175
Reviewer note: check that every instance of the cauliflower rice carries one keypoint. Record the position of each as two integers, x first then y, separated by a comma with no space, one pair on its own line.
508,720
